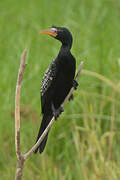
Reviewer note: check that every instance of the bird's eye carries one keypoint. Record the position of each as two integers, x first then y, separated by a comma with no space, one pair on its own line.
54,30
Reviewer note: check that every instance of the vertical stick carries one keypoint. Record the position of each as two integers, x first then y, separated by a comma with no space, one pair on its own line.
17,118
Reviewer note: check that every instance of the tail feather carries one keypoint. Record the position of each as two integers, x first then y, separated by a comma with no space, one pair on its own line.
45,121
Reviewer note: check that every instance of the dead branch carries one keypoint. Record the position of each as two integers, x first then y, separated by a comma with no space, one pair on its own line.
17,118
22,157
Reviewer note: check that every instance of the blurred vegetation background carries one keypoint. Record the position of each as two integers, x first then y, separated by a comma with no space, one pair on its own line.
84,144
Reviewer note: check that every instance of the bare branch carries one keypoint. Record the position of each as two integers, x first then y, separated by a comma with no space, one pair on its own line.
17,117
19,169
53,119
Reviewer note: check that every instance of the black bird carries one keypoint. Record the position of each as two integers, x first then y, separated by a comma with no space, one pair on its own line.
57,81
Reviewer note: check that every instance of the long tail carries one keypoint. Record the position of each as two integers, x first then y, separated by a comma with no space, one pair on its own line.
45,121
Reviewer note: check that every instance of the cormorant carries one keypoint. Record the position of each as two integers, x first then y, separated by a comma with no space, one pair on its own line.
57,81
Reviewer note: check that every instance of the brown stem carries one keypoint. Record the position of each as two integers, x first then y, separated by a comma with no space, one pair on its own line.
19,169
17,118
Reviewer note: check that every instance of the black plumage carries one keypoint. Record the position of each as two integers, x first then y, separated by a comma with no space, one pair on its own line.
57,81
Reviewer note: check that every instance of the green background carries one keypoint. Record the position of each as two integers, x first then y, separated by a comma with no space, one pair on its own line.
84,143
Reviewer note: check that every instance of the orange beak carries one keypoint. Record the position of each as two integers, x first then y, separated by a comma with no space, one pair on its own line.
50,32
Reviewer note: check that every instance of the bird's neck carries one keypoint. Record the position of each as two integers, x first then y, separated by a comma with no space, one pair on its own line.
65,49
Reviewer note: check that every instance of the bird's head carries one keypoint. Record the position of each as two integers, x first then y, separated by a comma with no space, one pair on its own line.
60,33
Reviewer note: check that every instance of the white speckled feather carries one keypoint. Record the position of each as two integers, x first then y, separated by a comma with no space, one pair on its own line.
48,78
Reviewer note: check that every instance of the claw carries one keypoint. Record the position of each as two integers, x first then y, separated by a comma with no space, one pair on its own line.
75,84
57,112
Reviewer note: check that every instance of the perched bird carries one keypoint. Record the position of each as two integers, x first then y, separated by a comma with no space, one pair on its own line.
57,81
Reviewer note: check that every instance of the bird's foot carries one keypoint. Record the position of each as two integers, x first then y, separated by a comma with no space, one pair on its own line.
57,112
75,84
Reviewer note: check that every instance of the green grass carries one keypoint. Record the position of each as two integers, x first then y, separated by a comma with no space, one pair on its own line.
84,143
